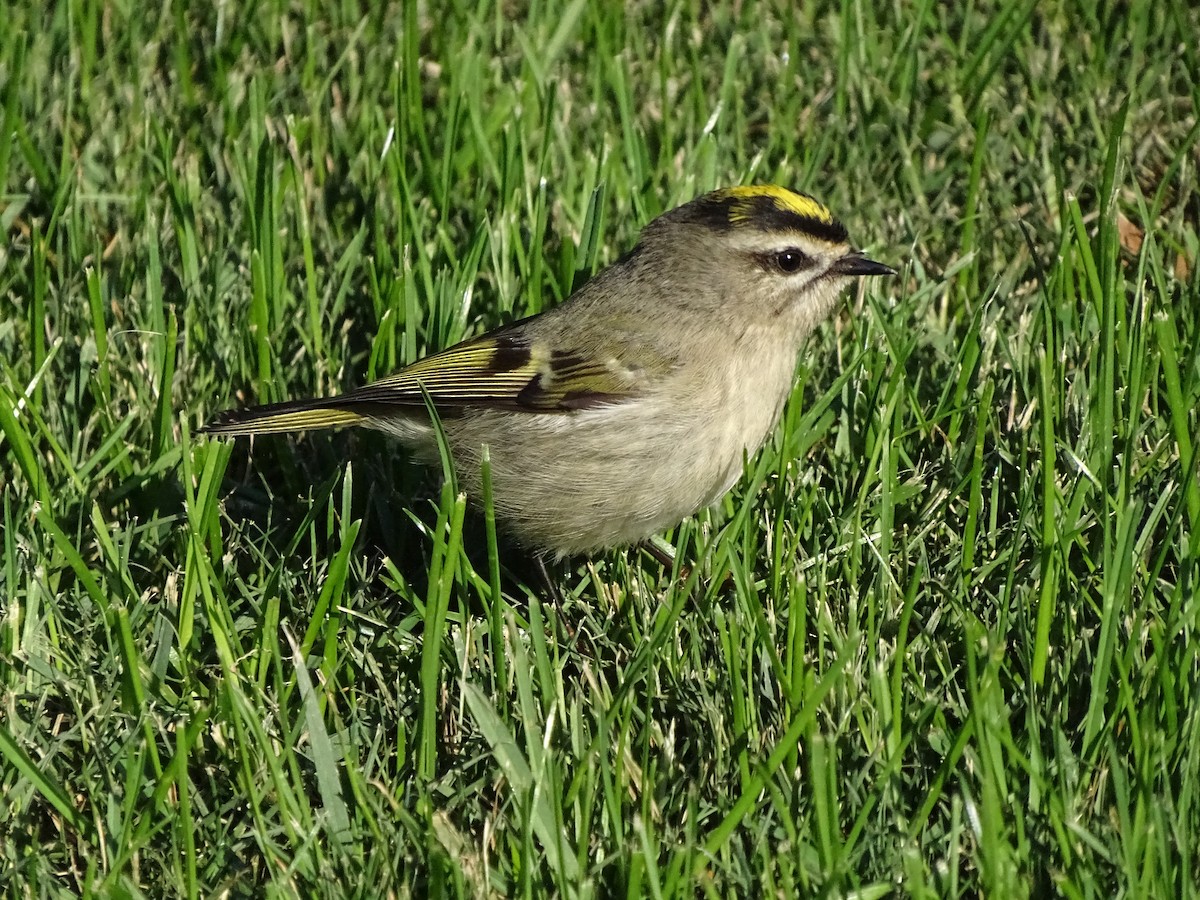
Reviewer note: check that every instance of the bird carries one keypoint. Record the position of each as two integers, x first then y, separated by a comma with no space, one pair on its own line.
632,405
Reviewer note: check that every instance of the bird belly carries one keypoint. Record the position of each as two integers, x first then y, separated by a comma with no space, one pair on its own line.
580,482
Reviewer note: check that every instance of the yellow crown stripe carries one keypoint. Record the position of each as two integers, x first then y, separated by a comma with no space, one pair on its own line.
782,198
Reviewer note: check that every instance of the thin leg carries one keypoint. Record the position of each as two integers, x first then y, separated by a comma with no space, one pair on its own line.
665,558
539,563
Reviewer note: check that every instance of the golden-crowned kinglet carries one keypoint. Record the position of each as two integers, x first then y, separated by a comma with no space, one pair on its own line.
628,407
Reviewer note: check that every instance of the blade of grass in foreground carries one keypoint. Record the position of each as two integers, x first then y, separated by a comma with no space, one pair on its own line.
325,760
517,771
751,794
46,786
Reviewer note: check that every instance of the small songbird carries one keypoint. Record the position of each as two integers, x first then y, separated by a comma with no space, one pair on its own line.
632,404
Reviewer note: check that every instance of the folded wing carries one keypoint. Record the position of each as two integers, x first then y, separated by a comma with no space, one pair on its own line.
504,369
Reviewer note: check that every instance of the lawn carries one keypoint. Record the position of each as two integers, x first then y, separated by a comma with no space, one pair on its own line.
942,638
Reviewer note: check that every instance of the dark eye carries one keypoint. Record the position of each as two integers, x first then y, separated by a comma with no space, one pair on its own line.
792,260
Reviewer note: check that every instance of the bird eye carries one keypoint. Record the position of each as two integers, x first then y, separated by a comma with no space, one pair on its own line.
792,260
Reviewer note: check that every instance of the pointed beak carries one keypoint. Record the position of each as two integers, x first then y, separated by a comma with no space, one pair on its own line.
854,263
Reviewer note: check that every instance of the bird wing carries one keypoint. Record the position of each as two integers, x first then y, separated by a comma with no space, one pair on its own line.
505,369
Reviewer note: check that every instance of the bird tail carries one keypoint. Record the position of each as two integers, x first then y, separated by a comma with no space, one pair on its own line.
293,415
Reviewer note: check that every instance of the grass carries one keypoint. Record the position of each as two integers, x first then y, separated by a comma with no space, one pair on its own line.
940,641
